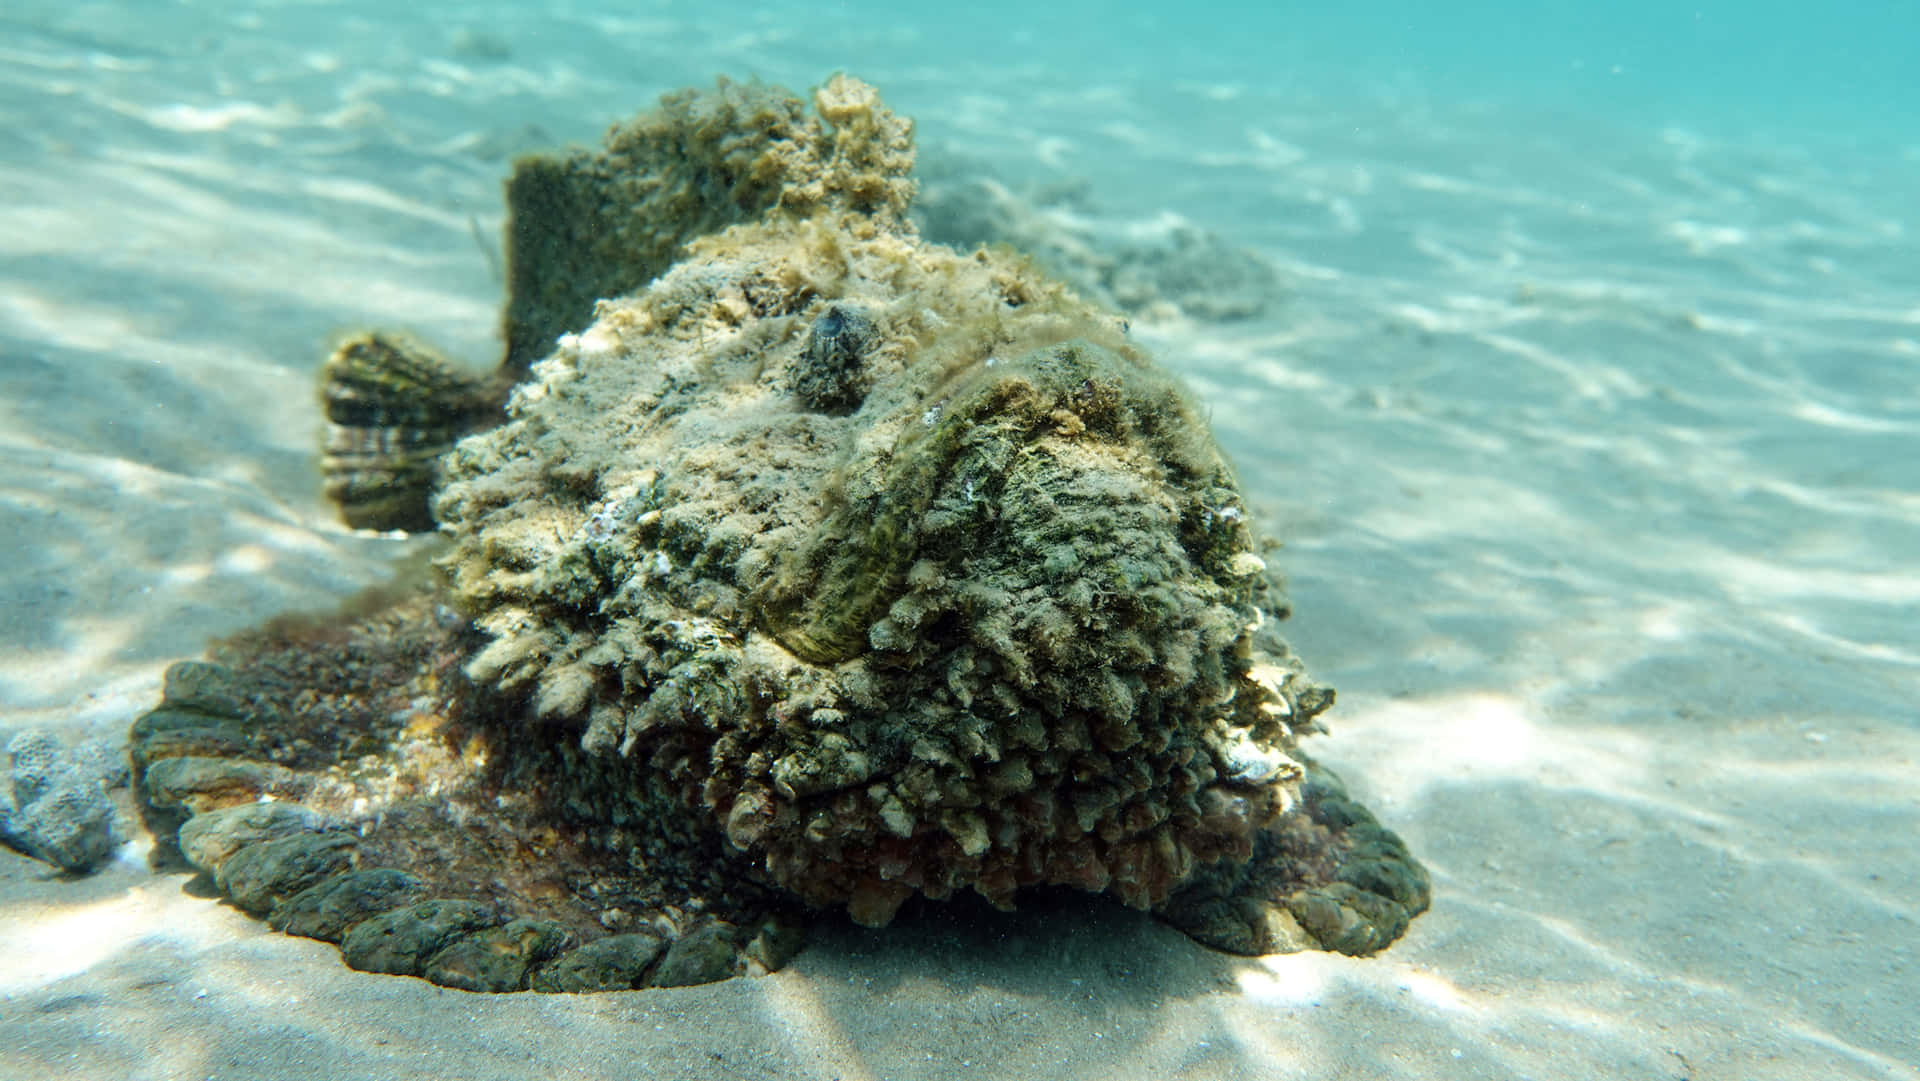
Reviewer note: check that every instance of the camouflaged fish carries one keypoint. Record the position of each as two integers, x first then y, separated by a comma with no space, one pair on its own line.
792,564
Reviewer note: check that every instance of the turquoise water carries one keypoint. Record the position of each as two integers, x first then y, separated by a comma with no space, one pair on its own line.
1843,68
1847,70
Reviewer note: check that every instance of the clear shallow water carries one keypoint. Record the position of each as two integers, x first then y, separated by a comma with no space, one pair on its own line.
1588,414
1771,66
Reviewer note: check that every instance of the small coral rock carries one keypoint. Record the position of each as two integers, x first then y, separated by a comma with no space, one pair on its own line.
55,805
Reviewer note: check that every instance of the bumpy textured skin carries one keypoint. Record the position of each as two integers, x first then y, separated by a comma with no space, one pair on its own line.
1001,626
342,779
831,568
588,225
604,223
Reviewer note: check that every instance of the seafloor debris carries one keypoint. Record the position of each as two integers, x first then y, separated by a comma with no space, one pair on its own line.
55,806
830,568
1151,270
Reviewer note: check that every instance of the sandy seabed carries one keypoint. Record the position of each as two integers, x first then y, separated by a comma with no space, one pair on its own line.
1596,453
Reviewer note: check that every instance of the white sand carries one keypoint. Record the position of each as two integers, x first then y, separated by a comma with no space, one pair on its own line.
1597,455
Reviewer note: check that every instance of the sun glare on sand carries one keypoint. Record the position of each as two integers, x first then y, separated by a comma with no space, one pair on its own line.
44,944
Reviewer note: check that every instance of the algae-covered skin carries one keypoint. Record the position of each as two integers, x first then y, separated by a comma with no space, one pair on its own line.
586,225
830,568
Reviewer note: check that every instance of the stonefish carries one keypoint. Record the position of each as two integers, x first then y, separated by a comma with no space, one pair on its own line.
791,564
